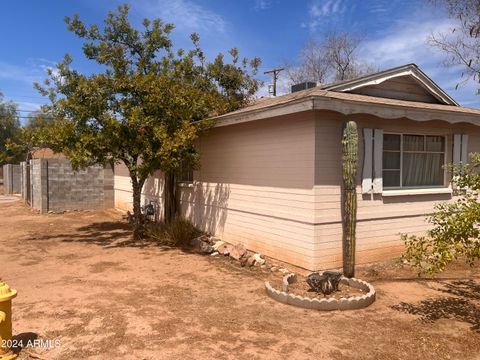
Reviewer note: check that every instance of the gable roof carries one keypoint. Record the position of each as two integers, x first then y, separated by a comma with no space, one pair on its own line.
410,70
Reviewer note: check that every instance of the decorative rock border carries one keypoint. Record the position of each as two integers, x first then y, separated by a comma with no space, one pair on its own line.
352,303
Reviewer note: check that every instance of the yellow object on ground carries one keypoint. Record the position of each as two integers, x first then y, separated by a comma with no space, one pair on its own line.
6,296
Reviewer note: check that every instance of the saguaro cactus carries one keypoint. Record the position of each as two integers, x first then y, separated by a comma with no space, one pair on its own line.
349,164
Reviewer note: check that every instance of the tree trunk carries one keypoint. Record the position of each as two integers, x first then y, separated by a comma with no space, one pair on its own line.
137,211
170,201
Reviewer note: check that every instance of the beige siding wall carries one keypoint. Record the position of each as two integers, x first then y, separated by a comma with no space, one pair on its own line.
255,186
152,190
380,219
275,185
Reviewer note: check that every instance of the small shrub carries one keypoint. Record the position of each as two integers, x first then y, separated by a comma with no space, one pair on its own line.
177,233
455,231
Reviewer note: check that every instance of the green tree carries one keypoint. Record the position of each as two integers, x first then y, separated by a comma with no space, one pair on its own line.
9,130
455,231
148,106
34,134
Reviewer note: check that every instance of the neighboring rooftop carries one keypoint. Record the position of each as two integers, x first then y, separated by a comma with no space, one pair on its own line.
46,153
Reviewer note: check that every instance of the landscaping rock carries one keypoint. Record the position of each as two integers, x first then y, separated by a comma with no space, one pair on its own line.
202,238
258,259
251,261
206,248
209,240
217,244
196,242
238,251
225,249
244,260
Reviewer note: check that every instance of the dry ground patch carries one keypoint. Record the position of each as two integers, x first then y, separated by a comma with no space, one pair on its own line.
81,280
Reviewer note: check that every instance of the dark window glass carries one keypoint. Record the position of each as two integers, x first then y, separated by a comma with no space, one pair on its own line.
391,178
391,142
391,160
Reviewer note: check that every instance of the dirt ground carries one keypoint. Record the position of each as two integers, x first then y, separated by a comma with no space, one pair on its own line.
83,283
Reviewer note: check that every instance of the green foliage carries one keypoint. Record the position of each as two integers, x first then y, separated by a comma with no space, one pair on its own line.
455,225
176,233
9,132
349,172
149,105
35,134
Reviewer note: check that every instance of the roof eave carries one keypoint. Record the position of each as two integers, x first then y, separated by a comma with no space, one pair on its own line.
349,107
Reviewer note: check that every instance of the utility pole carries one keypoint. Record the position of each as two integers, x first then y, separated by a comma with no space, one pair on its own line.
275,72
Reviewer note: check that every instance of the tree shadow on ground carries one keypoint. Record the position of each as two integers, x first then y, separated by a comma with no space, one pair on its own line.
459,305
109,234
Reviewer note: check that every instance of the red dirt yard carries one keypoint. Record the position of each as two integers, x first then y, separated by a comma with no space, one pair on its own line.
82,282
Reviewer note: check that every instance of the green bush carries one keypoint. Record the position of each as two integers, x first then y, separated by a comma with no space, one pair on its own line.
456,225
177,233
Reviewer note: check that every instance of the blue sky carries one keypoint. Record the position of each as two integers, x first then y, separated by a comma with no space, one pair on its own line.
34,35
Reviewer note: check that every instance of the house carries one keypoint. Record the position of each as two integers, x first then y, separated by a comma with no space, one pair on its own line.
271,175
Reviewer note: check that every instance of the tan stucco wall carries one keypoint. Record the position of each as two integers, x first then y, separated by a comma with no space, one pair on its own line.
275,185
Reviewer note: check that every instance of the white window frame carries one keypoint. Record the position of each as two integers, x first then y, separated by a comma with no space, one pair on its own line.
444,152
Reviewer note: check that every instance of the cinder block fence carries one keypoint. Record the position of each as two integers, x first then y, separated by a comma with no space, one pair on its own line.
11,179
52,185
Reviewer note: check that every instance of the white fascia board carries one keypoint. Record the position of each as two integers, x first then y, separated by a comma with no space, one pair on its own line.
348,107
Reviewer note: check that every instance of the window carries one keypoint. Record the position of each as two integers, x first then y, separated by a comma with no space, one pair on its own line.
413,160
185,175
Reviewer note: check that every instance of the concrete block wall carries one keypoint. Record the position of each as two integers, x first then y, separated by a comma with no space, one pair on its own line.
37,186
11,179
23,180
57,187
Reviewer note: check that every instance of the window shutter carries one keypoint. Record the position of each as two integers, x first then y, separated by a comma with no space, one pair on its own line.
457,146
367,161
378,161
460,148
464,155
